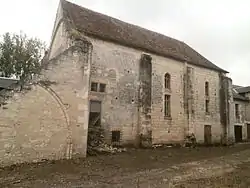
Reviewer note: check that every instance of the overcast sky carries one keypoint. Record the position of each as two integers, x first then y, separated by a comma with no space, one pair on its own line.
218,29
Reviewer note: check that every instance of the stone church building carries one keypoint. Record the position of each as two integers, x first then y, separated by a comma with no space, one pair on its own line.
140,86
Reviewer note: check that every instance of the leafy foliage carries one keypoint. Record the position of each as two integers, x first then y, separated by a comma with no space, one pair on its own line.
20,56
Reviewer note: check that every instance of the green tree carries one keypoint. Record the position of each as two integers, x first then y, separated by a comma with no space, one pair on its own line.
20,56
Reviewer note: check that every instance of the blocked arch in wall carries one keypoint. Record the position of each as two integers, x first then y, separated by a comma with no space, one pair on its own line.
36,127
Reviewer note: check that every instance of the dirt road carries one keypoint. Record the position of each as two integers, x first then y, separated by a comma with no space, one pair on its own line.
161,168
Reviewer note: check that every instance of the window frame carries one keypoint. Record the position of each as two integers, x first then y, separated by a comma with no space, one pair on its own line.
167,105
99,88
167,81
206,89
207,106
91,86
237,111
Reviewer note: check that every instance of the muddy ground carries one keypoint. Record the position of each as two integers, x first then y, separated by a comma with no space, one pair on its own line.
171,167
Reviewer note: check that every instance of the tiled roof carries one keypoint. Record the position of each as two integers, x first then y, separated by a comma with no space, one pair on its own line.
111,29
236,86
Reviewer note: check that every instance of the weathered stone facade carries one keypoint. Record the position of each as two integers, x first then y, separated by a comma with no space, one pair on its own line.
118,67
47,121
50,121
241,114
133,99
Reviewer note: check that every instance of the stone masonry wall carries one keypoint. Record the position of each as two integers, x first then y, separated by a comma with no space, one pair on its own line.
247,117
165,129
70,72
31,128
60,40
145,100
118,67
119,101
48,121
243,106
51,120
70,69
200,117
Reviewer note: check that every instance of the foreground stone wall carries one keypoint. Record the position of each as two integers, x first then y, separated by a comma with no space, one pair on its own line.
31,128
49,121
70,73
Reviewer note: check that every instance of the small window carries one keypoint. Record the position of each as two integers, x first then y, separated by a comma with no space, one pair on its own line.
167,112
94,86
102,88
116,136
167,81
206,88
237,111
207,106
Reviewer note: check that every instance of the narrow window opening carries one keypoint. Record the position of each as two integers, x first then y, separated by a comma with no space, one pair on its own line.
207,106
237,111
116,136
94,86
167,112
102,88
207,89
167,81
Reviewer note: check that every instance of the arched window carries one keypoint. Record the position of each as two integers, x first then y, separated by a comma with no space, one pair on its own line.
207,97
206,88
167,80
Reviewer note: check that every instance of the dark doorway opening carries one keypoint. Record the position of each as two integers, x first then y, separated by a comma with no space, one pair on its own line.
95,131
115,138
238,133
248,131
95,113
207,135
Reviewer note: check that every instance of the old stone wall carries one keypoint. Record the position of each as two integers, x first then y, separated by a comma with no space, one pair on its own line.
242,111
70,72
243,119
167,129
118,67
200,117
31,128
49,121
145,100
60,40
227,116
247,104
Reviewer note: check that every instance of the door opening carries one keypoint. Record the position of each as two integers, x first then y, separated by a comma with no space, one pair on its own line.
248,131
207,135
238,133
95,132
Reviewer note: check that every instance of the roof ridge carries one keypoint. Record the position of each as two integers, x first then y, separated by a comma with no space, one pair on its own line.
125,22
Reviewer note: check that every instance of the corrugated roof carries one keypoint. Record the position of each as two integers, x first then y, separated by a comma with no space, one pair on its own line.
7,82
107,28
243,89
238,96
